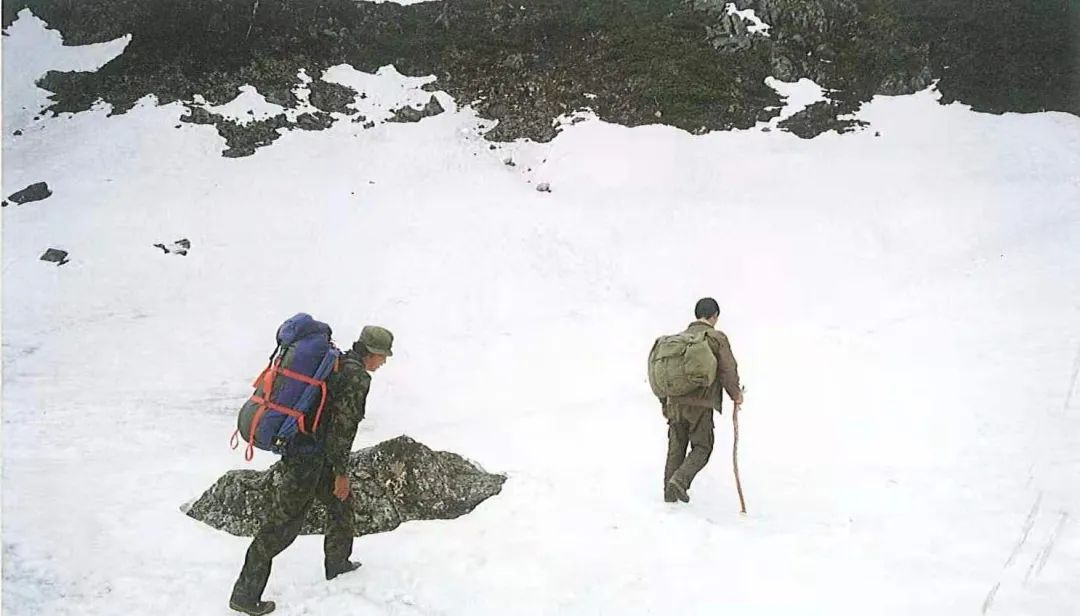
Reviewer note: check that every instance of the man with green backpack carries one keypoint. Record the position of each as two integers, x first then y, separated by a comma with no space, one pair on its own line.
689,373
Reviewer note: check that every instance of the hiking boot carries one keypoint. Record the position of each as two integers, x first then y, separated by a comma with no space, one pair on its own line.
678,491
257,608
669,495
345,567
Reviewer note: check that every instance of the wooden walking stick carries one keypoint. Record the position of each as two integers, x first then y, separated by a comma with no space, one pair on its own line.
735,458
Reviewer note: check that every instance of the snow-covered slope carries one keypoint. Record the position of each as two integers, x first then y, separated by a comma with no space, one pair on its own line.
905,309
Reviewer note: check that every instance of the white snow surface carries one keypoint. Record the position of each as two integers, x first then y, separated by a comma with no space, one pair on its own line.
757,26
797,95
905,310
248,106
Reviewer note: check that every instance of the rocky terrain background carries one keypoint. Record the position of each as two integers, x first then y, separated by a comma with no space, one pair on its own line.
692,64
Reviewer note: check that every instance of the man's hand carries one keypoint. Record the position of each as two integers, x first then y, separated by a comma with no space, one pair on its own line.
341,487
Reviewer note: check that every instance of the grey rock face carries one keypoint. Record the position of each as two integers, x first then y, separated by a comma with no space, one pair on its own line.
396,481
34,192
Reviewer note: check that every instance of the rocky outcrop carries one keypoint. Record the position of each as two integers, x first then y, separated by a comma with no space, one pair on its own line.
411,114
396,481
821,117
693,64
821,39
331,97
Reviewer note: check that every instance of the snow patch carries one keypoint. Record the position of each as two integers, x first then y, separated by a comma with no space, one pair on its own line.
797,96
249,106
379,93
756,25
30,50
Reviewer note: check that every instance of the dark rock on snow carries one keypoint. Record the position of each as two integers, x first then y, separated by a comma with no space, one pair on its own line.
314,121
33,192
55,255
410,114
179,247
331,97
396,481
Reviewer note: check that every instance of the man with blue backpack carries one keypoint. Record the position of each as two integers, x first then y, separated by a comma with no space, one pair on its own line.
307,406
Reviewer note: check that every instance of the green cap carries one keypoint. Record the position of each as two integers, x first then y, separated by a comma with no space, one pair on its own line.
377,340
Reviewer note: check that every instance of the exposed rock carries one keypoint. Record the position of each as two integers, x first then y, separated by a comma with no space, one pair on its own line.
411,114
393,482
332,97
902,82
314,121
524,68
543,187
819,118
33,192
17,133
198,115
433,107
55,255
243,139
179,247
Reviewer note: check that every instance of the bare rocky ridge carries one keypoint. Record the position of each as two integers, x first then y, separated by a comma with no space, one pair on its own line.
396,481
692,64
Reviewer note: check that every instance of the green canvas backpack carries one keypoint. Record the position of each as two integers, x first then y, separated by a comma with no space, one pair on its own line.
680,364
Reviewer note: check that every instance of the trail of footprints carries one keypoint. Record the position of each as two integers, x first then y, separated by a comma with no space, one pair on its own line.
1010,575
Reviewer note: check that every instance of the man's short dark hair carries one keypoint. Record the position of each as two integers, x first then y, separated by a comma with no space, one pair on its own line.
706,308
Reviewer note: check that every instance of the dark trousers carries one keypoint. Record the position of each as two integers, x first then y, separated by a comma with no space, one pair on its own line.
300,480
688,426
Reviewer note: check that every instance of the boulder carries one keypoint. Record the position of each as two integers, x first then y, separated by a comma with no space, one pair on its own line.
396,481
55,255
33,192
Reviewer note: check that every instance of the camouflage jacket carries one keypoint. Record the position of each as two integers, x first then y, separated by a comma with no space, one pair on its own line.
727,370
347,391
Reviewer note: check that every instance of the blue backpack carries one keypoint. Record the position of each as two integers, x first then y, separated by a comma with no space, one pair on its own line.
283,414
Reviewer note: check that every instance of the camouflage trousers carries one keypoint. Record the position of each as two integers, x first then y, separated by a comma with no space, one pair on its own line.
302,480
687,426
